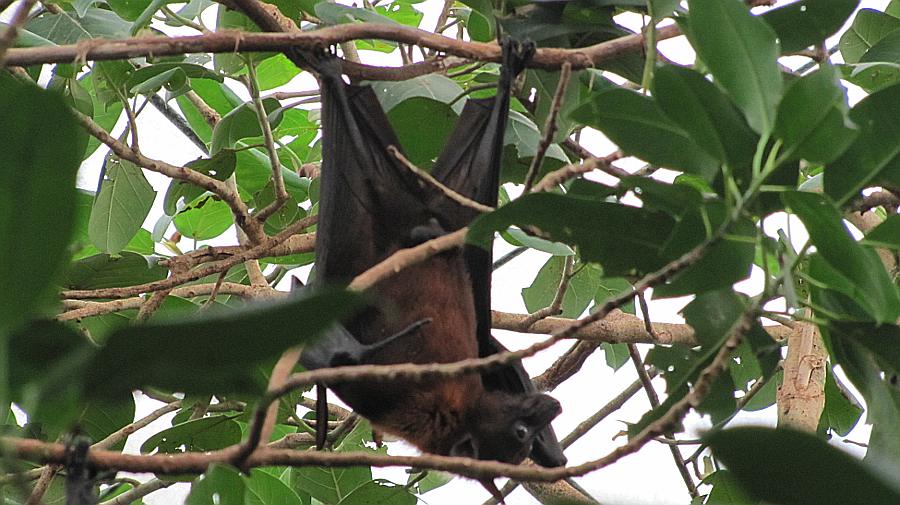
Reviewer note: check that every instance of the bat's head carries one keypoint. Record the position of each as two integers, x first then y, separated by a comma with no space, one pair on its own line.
506,427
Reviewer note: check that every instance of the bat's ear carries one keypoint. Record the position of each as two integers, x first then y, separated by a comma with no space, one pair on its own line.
465,447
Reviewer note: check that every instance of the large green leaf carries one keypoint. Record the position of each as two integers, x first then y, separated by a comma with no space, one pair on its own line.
105,271
860,265
220,166
241,123
713,316
220,485
586,224
173,75
37,196
740,50
198,435
875,154
874,377
887,234
67,28
265,489
204,218
867,29
579,294
808,22
629,119
121,207
164,354
705,114
766,463
275,71
381,492
812,118
727,261
842,409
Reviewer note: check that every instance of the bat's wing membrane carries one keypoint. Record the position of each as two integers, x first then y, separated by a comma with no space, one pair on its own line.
373,204
470,165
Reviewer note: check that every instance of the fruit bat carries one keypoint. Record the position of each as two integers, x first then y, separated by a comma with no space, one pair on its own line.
437,311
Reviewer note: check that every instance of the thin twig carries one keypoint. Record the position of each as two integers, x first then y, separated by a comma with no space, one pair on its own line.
281,195
425,176
555,305
8,37
549,126
139,492
238,207
257,251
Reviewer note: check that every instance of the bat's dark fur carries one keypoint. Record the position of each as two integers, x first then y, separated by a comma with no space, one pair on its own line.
437,311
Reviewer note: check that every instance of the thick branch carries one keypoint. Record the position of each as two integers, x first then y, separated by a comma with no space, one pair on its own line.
231,41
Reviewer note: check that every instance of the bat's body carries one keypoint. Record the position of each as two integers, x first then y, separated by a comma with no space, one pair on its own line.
437,311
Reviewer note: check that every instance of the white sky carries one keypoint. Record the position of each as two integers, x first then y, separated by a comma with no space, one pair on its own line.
648,477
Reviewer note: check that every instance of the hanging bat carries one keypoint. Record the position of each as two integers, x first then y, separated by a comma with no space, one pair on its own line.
437,311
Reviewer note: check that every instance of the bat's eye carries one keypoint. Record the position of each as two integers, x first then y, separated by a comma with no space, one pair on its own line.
521,430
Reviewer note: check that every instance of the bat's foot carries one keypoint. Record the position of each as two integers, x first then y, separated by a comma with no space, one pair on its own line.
423,233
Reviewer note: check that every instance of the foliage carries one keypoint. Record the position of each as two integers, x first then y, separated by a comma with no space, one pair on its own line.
746,139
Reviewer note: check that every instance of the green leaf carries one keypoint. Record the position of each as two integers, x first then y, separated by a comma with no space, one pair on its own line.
545,84
521,142
518,237
858,264
204,218
875,154
874,378
220,485
812,118
105,115
886,50
173,75
46,359
740,51
436,87
871,77
628,119
887,234
765,397
65,28
422,145
727,261
765,462
329,485
128,9
579,294
199,435
708,116
105,271
713,316
220,167
266,489
275,71
121,207
808,22
586,224
726,490
100,421
37,197
673,199
842,409
241,123
616,355
867,29
164,354
379,492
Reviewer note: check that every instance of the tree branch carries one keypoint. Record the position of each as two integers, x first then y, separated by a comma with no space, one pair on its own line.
231,41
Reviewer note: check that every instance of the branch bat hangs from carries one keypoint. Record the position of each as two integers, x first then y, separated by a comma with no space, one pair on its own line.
437,311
